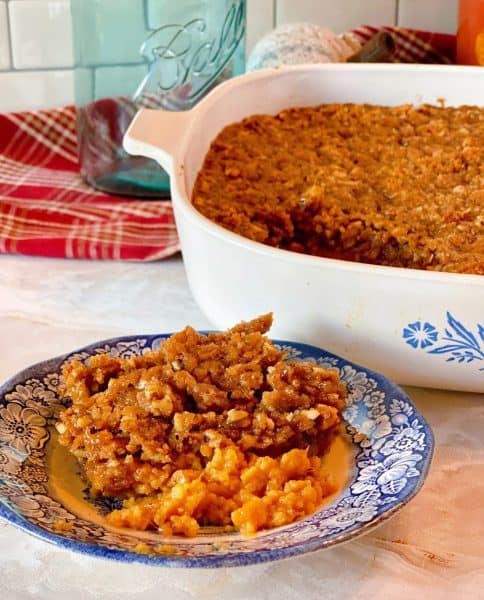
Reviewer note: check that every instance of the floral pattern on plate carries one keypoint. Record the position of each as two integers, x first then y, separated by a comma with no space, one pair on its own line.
393,446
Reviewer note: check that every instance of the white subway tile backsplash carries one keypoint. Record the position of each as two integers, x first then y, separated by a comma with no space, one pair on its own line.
30,90
339,15
429,15
41,33
260,20
4,38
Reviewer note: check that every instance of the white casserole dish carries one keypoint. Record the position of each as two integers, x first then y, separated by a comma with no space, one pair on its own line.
416,327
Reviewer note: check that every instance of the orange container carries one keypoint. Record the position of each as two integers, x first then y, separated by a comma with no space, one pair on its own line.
470,33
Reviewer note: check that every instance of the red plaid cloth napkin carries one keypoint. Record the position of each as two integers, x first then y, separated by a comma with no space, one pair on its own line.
47,210
413,46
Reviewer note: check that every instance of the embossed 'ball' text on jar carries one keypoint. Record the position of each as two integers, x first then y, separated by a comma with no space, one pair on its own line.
145,53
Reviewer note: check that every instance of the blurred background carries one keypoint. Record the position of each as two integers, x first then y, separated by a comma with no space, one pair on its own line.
36,58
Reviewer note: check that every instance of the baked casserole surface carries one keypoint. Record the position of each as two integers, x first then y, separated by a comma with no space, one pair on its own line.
400,186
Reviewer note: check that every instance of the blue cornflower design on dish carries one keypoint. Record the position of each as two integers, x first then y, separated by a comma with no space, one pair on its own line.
456,342
420,335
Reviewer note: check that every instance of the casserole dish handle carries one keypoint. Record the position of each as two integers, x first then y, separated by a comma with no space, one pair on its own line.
157,134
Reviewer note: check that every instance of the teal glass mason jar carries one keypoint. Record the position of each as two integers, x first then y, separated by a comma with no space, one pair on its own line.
136,53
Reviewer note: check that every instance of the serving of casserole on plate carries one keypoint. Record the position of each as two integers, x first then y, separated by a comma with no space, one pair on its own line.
345,262
124,448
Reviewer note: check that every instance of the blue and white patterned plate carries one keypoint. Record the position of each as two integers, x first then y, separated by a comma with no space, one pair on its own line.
392,446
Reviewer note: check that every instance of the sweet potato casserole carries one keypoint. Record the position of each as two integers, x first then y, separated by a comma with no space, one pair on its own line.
398,186
211,429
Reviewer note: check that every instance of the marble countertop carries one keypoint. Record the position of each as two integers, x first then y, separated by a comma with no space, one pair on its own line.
433,548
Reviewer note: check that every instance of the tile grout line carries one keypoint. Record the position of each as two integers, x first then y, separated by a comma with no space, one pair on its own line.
17,70
36,69
274,13
397,11
9,33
